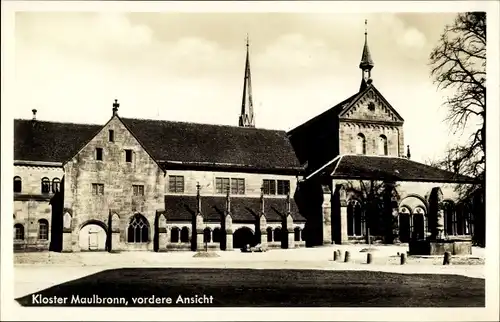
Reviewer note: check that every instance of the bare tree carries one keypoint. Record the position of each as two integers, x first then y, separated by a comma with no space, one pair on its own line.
458,64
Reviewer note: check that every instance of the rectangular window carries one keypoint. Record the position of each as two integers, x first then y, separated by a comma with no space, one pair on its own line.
98,189
111,136
283,187
176,184
269,187
221,185
238,186
98,154
138,190
128,155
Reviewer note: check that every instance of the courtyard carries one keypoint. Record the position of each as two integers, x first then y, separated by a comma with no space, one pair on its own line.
298,277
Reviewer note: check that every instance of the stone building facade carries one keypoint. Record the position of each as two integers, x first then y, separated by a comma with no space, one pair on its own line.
134,184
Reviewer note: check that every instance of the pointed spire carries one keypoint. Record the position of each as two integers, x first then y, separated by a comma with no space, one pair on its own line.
247,117
366,63
228,200
366,58
262,206
198,198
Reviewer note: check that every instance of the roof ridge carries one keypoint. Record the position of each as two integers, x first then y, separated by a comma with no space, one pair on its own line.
208,124
59,122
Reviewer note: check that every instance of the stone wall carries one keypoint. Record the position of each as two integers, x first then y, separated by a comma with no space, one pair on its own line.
206,179
31,206
350,130
118,177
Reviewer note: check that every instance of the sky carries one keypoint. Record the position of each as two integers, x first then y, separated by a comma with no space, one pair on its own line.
71,66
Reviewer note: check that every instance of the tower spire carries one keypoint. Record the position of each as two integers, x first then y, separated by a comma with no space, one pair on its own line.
246,116
366,63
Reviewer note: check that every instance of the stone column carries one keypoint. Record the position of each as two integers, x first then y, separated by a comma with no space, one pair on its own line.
262,221
67,232
391,214
162,231
227,224
344,238
199,224
440,222
326,208
436,214
228,229
288,237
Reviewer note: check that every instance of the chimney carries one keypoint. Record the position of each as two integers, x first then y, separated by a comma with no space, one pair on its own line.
34,114
116,105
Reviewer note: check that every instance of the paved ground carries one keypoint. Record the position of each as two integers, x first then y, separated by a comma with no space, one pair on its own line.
37,271
263,288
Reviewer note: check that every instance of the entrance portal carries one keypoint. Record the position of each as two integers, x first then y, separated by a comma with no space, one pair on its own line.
243,236
92,237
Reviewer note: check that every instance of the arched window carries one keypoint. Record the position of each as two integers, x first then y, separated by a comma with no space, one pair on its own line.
174,235
138,229
18,232
354,219
45,185
269,234
450,221
56,185
216,235
17,184
184,235
361,144
43,229
207,235
382,145
277,234
419,223
297,233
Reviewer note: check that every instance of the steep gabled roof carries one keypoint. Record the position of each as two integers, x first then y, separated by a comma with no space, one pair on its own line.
214,144
166,141
366,167
333,111
50,141
353,101
243,209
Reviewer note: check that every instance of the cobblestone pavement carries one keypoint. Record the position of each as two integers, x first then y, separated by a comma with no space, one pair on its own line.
37,271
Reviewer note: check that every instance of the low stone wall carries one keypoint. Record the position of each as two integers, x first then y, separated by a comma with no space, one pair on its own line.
439,247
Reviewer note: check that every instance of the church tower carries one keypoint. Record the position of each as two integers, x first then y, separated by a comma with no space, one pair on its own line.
366,63
247,117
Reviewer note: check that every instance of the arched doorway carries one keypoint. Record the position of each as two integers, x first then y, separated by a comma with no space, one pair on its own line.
92,237
243,236
418,224
404,225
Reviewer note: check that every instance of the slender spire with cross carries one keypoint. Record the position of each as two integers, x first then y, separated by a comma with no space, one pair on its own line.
246,116
366,63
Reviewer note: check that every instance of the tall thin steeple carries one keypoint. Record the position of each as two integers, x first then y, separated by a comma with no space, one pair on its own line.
247,117
366,63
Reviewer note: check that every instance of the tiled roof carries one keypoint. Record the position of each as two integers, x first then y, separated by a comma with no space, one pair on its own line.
177,142
50,141
207,144
364,167
243,209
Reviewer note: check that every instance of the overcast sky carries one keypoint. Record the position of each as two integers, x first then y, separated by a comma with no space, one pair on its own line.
189,67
